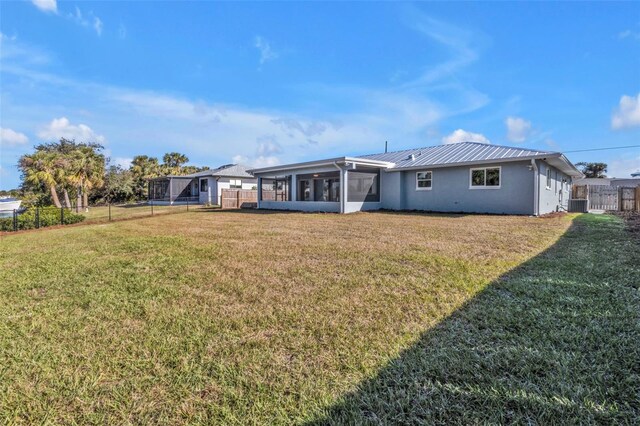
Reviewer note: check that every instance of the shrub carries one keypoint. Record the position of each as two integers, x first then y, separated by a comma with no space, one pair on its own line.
49,216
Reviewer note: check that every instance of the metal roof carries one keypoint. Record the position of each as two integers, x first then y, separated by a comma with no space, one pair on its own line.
464,152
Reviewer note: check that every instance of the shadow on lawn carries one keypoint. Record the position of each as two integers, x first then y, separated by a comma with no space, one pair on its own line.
554,341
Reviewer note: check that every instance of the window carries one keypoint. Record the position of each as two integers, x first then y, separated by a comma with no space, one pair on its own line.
235,183
423,181
488,177
204,185
548,177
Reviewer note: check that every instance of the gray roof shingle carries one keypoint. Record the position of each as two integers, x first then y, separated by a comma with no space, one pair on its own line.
228,170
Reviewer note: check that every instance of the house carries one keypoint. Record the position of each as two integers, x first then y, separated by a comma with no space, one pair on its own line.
465,177
617,182
203,187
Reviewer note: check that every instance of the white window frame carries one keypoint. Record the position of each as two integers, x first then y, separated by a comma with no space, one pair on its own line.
419,188
548,182
472,186
205,180
233,183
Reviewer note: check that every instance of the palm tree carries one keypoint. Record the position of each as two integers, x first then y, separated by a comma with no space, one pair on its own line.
143,168
173,162
86,171
42,169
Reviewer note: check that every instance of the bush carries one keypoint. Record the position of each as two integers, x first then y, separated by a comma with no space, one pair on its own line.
49,216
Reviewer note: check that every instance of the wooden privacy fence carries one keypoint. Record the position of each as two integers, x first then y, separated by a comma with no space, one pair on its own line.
603,197
630,199
237,198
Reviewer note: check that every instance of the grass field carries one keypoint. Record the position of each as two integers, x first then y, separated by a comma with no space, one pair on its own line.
280,318
130,211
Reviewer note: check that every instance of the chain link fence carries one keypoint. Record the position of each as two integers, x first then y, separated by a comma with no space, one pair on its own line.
41,217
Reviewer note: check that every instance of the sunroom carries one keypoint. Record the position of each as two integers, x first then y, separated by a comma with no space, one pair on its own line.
173,190
320,185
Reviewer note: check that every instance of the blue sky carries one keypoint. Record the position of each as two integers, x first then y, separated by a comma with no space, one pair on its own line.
268,83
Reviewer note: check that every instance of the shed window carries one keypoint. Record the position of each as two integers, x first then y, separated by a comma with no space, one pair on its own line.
488,177
204,185
235,183
423,180
548,177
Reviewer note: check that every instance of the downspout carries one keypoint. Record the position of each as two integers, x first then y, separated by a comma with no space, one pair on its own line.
259,192
218,190
343,184
536,188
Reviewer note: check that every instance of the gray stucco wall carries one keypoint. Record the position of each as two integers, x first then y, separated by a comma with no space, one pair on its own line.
550,198
303,206
450,191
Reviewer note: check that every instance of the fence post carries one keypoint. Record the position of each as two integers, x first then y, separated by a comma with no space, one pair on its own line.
620,207
238,199
37,217
61,215
109,212
151,209
187,204
15,220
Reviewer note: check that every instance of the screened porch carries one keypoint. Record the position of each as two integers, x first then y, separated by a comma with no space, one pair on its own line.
173,189
320,191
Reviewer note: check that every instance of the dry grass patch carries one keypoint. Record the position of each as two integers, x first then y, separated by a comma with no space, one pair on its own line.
233,317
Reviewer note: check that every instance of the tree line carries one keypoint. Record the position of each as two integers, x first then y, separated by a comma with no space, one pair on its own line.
57,172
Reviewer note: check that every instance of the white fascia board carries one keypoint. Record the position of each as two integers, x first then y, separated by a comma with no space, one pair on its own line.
319,163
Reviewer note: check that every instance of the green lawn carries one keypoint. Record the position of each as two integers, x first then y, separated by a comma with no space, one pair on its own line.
278,318
130,211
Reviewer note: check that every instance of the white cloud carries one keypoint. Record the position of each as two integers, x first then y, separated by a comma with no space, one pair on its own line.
268,146
462,44
518,129
4,37
266,52
309,129
92,21
97,25
463,136
257,162
124,162
629,34
627,114
622,167
10,137
211,133
46,5
62,128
